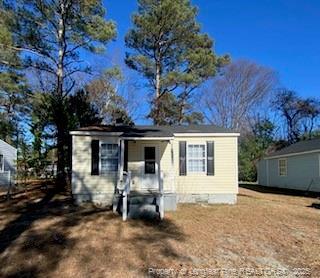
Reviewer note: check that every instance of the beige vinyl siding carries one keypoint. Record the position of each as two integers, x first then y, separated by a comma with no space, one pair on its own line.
82,180
225,179
302,170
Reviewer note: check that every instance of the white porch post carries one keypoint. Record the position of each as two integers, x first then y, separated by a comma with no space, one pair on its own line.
121,158
120,162
161,205
125,205
126,192
172,168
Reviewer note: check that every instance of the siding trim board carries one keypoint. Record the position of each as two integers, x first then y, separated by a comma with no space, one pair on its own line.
106,133
95,133
147,138
206,134
292,154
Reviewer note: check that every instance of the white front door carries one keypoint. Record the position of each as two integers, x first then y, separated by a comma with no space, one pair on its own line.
150,170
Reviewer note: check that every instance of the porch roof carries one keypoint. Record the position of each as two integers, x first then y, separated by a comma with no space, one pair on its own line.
155,132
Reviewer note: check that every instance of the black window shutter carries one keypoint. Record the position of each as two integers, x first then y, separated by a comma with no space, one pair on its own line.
210,158
182,158
95,157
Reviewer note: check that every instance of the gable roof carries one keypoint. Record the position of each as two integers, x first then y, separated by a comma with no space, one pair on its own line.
298,148
4,144
154,131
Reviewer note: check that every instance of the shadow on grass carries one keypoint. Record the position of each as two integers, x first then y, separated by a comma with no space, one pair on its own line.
156,242
46,242
280,191
38,238
315,205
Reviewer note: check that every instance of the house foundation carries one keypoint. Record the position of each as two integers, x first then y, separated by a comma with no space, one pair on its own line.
222,198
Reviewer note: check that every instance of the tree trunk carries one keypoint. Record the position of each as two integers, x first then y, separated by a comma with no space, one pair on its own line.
156,119
61,162
157,100
182,108
59,119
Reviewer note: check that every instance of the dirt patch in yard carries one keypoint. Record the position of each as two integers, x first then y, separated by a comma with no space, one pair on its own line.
43,234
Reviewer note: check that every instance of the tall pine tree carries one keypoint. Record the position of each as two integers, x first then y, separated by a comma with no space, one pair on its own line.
169,50
51,35
13,89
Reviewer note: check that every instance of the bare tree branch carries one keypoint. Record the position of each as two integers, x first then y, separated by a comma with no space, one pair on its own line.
242,88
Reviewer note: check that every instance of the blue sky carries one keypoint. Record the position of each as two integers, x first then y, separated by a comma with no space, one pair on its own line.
281,34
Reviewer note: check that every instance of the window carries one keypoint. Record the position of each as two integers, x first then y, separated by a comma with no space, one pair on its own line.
1,163
109,158
149,160
196,156
282,163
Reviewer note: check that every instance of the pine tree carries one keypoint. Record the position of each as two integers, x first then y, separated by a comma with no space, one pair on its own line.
51,35
13,89
169,50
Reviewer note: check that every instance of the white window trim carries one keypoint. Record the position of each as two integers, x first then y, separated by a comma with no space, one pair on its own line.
205,159
279,172
2,166
112,143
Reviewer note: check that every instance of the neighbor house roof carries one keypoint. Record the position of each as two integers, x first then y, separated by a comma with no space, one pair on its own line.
139,131
2,142
298,148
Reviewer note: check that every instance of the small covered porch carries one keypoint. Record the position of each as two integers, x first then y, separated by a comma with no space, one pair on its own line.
146,174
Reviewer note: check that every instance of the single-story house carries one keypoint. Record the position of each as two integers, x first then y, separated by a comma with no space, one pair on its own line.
294,167
181,164
8,159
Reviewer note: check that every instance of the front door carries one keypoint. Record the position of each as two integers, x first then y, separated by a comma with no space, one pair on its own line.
149,177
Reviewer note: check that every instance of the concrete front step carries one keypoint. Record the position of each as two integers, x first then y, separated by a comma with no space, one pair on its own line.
143,211
142,206
135,200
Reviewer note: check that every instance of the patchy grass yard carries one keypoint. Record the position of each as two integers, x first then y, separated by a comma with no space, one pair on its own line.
42,234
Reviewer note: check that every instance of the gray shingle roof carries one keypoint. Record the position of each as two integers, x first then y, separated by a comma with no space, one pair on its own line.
156,131
302,146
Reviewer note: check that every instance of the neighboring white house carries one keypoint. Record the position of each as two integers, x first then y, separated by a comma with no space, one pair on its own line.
8,158
155,163
294,167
